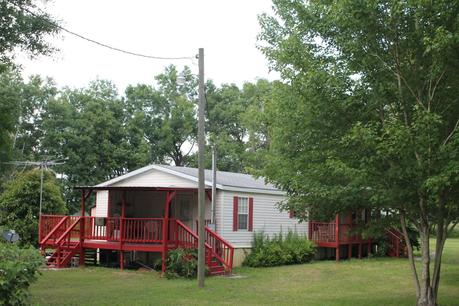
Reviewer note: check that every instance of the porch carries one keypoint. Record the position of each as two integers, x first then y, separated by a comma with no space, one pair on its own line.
340,235
136,222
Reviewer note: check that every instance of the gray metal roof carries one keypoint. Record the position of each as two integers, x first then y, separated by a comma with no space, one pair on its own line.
224,178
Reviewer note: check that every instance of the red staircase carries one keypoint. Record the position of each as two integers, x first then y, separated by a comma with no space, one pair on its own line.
396,241
219,253
62,239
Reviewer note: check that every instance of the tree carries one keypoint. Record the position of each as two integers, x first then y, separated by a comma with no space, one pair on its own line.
168,113
91,129
9,113
367,116
224,127
20,202
24,27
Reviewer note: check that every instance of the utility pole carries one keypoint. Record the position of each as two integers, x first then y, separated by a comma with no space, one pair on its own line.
201,191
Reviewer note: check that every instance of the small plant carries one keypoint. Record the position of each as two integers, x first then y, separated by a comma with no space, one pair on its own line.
182,263
18,269
279,250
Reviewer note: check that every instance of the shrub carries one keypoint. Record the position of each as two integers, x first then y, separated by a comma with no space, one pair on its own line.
182,263
18,269
279,250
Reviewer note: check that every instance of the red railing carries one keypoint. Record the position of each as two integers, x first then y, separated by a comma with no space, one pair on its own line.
72,231
144,230
322,231
50,236
100,228
47,224
395,243
221,249
184,237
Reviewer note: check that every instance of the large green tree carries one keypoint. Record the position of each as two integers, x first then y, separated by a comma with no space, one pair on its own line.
368,115
20,203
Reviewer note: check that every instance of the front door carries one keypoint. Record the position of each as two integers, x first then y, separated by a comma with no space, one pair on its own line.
184,209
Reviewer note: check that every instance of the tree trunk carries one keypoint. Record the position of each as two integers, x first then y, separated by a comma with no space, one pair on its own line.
409,248
426,296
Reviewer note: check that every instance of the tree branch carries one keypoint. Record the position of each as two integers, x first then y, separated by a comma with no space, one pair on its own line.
452,133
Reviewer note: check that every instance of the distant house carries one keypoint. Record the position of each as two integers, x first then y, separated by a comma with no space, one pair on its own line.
132,210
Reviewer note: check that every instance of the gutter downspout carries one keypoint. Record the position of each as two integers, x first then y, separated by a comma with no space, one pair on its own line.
214,186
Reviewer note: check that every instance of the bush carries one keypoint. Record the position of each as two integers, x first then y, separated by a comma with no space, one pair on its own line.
182,263
18,269
279,250
20,202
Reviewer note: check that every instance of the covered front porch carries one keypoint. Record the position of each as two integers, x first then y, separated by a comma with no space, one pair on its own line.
137,219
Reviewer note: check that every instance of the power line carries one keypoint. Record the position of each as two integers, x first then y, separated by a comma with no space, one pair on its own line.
97,42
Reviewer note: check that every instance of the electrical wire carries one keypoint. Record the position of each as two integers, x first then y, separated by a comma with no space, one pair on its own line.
97,42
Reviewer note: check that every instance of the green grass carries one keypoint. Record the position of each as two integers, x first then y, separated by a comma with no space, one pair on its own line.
376,281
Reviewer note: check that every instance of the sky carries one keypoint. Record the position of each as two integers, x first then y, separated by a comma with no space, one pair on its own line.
227,30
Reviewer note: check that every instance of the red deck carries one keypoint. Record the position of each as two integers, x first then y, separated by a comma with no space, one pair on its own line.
338,233
70,235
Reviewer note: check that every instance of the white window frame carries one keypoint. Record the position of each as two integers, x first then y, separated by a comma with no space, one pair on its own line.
240,212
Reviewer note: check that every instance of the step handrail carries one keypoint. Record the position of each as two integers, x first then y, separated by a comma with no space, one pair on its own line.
52,232
229,262
196,237
186,228
68,230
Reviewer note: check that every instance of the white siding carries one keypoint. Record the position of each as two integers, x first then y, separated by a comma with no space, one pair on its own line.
155,178
101,203
266,217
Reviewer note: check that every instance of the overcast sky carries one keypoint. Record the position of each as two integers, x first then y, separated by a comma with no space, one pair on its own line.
226,30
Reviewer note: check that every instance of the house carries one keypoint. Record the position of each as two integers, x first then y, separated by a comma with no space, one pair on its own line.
134,210
143,214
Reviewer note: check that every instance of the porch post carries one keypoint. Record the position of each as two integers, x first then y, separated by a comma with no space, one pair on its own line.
349,251
123,207
360,250
170,195
83,204
337,236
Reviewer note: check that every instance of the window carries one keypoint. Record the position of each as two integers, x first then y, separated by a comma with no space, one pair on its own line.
243,213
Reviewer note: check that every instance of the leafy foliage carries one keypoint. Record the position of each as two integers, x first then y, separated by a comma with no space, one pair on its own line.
367,116
19,204
21,30
182,263
279,250
18,269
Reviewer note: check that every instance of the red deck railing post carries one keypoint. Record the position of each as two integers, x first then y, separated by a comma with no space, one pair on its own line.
83,208
170,195
122,229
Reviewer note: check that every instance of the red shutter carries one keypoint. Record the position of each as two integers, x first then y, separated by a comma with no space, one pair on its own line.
235,212
250,214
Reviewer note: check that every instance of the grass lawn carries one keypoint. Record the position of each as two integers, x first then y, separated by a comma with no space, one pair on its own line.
377,281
